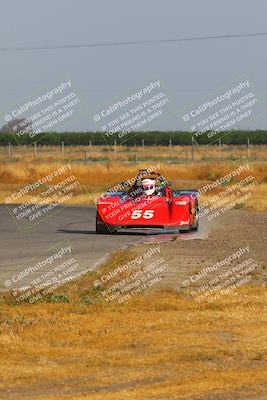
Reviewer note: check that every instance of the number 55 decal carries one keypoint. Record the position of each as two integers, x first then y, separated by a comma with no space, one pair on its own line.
147,214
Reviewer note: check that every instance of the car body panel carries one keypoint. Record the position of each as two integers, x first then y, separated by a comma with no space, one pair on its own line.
176,208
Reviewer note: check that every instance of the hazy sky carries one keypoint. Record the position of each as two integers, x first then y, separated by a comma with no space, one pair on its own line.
188,70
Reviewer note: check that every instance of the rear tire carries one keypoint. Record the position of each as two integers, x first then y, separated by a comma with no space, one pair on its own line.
195,227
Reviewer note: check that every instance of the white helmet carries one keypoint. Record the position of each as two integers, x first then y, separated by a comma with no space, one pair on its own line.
148,186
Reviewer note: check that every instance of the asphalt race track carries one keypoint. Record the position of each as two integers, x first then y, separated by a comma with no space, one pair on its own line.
69,226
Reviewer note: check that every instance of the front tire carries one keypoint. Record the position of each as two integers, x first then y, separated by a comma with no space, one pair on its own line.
196,225
102,228
177,228
184,230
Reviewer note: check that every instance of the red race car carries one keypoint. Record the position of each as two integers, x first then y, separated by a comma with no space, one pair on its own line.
149,202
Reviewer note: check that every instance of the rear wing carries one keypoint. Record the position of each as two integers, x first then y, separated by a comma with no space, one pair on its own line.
185,192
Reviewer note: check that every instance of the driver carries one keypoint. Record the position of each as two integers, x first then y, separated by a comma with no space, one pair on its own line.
149,186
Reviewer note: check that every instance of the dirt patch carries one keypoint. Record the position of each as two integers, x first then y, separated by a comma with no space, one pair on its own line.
238,229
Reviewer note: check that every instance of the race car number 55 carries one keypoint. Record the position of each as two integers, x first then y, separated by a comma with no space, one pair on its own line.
147,214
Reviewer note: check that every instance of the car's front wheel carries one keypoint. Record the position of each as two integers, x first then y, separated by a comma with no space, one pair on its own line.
103,228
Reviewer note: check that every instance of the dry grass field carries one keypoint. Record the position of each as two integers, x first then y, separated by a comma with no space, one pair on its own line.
99,174
179,351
